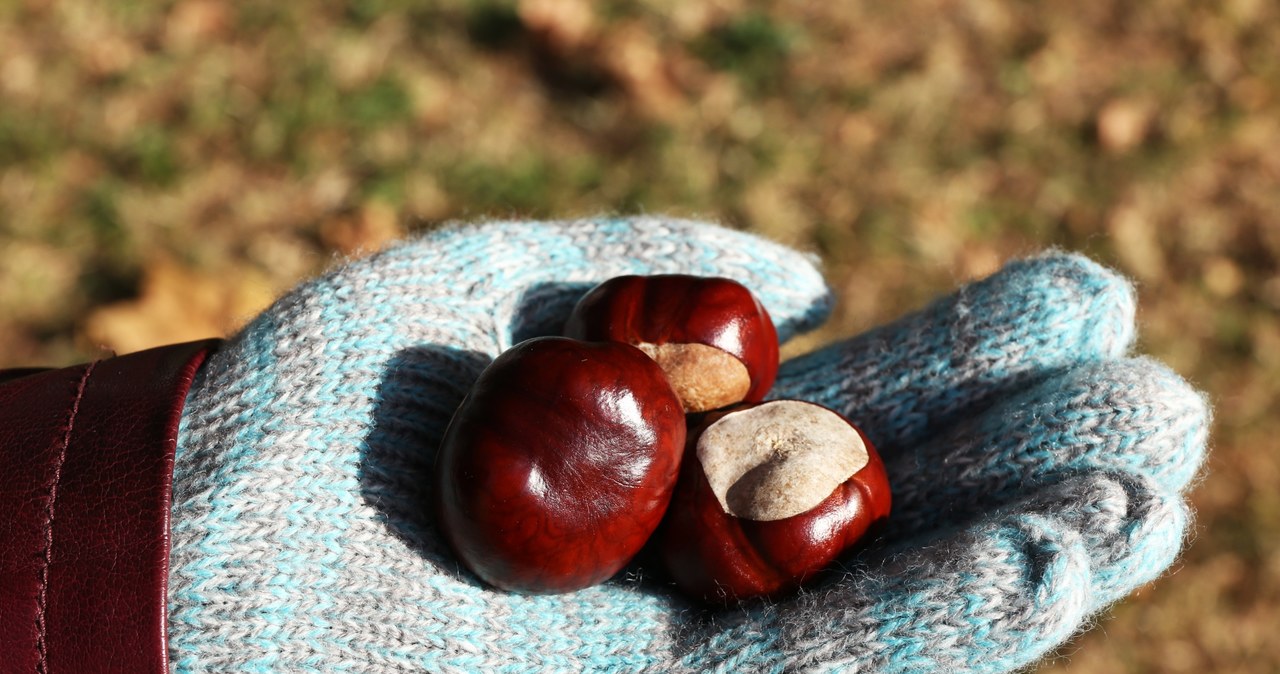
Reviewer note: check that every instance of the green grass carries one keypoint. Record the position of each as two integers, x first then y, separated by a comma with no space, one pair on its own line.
753,47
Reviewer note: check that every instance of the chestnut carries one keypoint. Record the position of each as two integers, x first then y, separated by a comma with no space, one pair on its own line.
769,494
559,464
711,336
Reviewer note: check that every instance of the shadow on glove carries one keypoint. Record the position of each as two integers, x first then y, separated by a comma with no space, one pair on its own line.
417,396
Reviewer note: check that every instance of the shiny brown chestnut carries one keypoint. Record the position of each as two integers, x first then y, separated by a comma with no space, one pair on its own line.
768,496
559,464
711,336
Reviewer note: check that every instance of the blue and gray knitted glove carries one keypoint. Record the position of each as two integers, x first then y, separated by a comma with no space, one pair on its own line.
1038,471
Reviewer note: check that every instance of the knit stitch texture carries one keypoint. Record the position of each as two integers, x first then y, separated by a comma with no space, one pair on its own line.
1038,471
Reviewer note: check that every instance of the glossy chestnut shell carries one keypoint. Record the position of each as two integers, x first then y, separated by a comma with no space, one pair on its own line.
559,464
657,311
721,558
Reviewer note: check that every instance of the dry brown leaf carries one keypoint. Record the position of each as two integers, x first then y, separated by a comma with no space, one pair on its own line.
369,229
1136,242
194,22
1123,124
1222,276
177,304
633,58
565,26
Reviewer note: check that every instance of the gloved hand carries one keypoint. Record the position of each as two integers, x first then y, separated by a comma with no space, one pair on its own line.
1037,472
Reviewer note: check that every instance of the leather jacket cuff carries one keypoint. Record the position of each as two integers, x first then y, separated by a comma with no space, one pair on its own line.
86,470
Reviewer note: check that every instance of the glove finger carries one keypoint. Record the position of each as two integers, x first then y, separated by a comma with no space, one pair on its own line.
1034,317
1132,526
1132,415
504,281
989,599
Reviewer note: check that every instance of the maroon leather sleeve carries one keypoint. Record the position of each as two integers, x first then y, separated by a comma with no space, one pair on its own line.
15,373
86,467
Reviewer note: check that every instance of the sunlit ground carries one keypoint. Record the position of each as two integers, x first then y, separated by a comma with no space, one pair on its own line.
168,168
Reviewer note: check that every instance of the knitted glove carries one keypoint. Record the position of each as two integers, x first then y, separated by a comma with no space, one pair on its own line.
1037,472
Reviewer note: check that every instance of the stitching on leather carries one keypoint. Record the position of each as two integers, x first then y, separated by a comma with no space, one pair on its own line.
42,665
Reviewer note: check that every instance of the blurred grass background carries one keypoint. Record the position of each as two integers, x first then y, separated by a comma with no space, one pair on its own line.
167,168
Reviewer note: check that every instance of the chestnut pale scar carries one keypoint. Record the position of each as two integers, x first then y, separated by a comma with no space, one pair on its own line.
779,459
704,377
